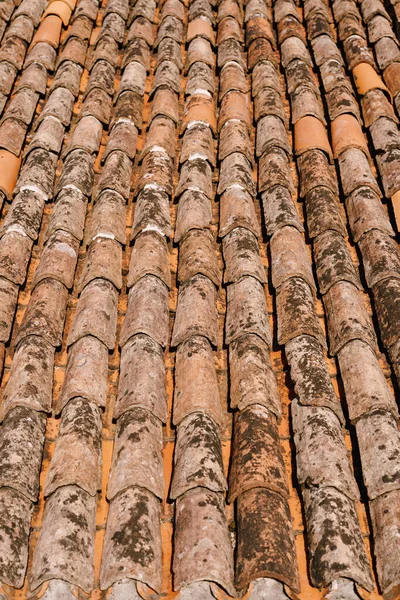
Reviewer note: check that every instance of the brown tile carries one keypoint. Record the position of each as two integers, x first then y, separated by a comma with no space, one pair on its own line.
370,8
152,212
12,135
251,377
333,527
137,455
196,174
8,74
45,313
293,48
318,25
259,27
202,550
289,27
87,8
22,438
391,76
232,78
123,137
229,28
143,29
21,27
242,256
333,75
58,105
271,133
236,172
316,7
247,311
198,255
119,7
350,25
149,257
385,524
309,372
343,8
283,8
273,170
10,165
333,261
357,51
279,210
196,388
87,356
13,51
321,457
77,456
170,27
296,312
7,10
156,173
86,136
198,142
68,214
58,259
200,27
116,174
386,298
378,28
81,28
324,48
290,257
389,168
107,49
376,105
200,76
30,387
381,257
49,31
140,356
68,75
306,102
237,210
49,136
75,51
173,7
257,460
165,104
232,51
15,253
144,9
96,314
387,52
194,212
201,8
108,218
230,8
113,25
385,135
97,104
314,168
133,550
101,76
198,456
199,108
61,9
103,261
365,212
168,49
147,311
25,214
69,514
255,8
355,171
299,74
265,546
78,171
15,517
167,75
234,106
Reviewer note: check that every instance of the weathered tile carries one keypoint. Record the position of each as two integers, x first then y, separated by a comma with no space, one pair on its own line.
12,135
137,456
279,210
364,382
65,548
113,26
8,73
236,172
129,107
97,104
381,257
107,49
15,253
194,212
123,137
334,538
199,108
58,259
196,175
85,357
389,168
365,212
290,257
133,79
196,312
156,173
132,544
198,143
168,49
333,261
149,257
234,137
169,27
141,28
103,261
357,51
237,210
242,256
96,313
324,48
306,102
196,388
143,8
299,74
203,550
293,48
269,102
38,172
387,302
77,455
296,312
265,546
309,372
21,447
86,136
78,171
167,75
257,460
13,51
386,51
232,78
252,380
101,76
314,168
198,456
271,133
31,378
45,313
347,317
200,76
375,105
15,517
68,75
152,212
232,51
160,135
49,136
140,357
120,7
386,525
116,174
385,134
68,213
322,207
274,169
59,105
108,218
229,28
247,311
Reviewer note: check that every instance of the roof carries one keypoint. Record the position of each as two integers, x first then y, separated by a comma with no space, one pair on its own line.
200,288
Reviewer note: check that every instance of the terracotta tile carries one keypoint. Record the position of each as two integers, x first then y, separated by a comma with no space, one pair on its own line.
290,257
152,212
237,210
198,456
61,9
385,523
32,387
242,256
12,135
202,532
123,137
387,52
96,313
167,75
343,8
165,104
197,255
87,8
340,559
116,174
7,10
296,312
232,78
279,210
381,258
251,377
293,48
58,105
87,356
283,8
389,168
299,74
49,31
199,108
350,25
103,261
21,451
144,9
199,50
259,27
260,50
97,104
69,213
341,101
333,261
200,77
16,511
309,372
15,253
231,51
143,29
196,387
13,51
81,28
140,356
355,171
201,8
78,171
260,554
288,27
316,7
318,25
365,212
196,312
229,28
247,311
156,172
255,8
76,459
273,170
194,212
309,133
48,136
257,460
236,172
306,102
33,10
149,256
230,8
234,106
385,135
173,7
8,75
196,175
70,511
26,221
58,260
200,27
86,136
10,165
198,143
378,28
314,168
